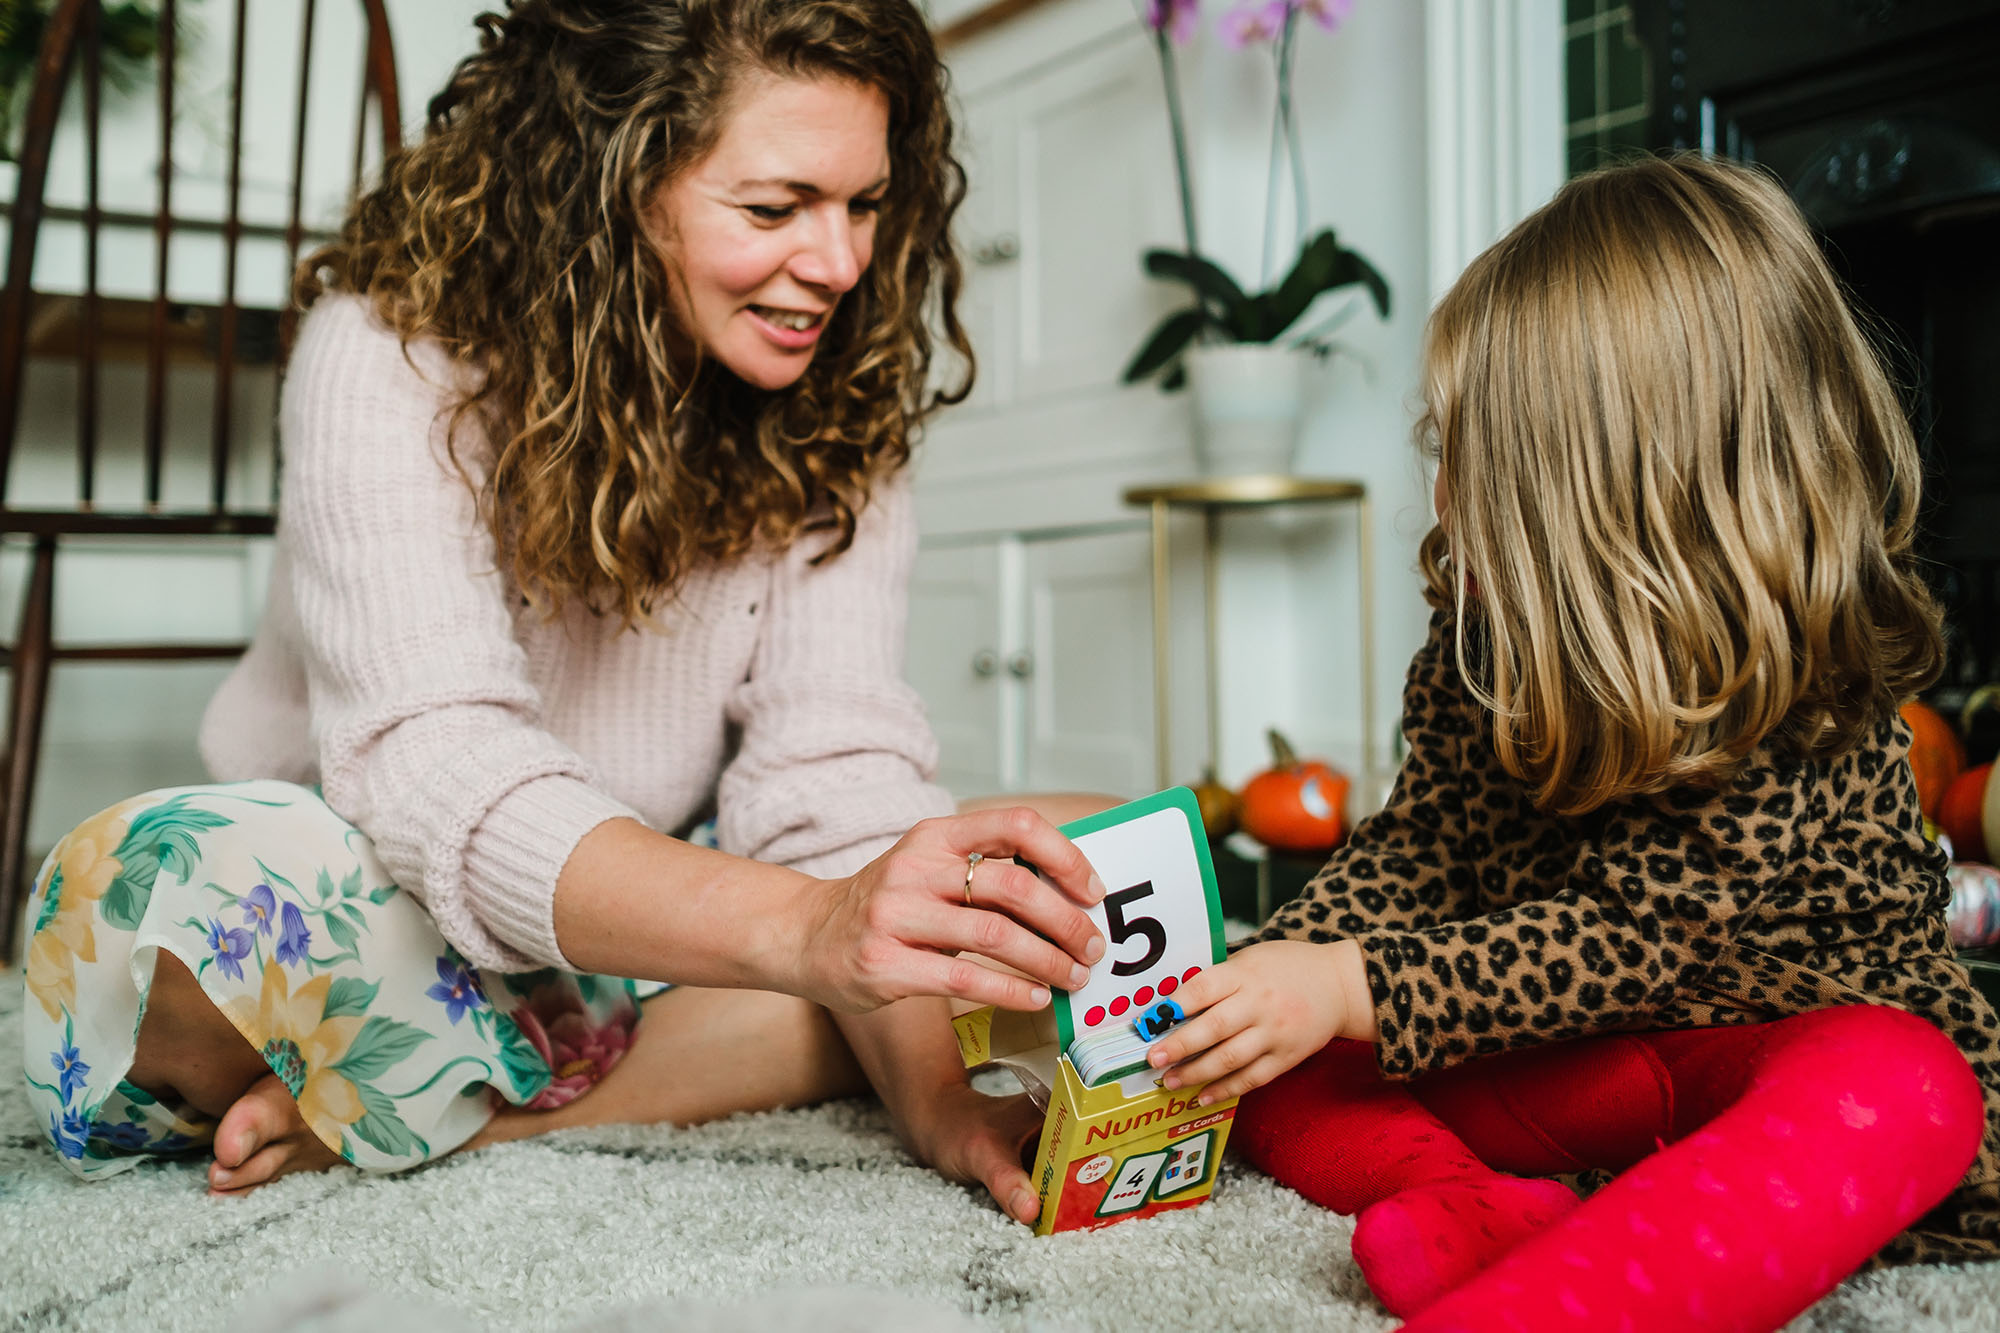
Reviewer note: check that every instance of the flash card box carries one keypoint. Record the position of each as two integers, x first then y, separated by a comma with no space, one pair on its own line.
1127,1147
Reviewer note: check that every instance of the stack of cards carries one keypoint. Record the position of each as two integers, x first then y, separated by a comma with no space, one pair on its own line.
1162,920
1115,1052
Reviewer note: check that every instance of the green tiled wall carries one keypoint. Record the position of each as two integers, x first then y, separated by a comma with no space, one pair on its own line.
1609,86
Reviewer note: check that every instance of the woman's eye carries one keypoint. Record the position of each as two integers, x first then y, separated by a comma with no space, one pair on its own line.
865,206
768,212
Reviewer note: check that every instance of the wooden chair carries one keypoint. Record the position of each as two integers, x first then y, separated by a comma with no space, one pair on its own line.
96,327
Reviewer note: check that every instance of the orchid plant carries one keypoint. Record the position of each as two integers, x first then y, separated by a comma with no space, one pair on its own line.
1222,311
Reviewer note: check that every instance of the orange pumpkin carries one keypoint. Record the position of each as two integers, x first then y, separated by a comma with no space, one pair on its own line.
1962,813
1937,756
1218,806
1297,805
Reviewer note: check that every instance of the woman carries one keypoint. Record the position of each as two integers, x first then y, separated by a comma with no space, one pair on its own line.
594,524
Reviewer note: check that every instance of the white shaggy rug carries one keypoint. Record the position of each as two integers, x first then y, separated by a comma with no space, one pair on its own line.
812,1221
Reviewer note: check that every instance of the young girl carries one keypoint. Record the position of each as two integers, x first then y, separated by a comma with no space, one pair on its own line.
1653,872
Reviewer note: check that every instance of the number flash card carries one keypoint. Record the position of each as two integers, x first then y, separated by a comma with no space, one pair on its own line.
1160,916
1116,1145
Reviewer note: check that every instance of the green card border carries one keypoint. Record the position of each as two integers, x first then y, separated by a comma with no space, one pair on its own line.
1173,798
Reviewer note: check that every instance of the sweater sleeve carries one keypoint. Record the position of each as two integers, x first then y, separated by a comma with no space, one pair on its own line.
1402,866
834,755
1658,890
427,725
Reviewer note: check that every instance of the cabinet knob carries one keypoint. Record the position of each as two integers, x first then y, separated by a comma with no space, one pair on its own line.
1021,665
1003,249
985,663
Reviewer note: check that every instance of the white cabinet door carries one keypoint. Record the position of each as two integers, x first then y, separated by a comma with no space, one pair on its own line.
955,662
989,240
1093,175
1089,675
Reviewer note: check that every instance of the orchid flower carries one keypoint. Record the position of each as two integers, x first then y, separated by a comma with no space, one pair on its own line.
1329,14
1177,18
1254,23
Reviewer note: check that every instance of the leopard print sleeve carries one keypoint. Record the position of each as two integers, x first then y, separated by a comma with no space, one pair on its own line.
1400,868
1656,891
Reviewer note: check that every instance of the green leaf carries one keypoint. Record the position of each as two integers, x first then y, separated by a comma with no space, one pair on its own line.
273,877
1206,277
350,884
50,902
161,840
383,894
381,1128
1167,342
1323,265
526,1069
380,1044
349,996
339,931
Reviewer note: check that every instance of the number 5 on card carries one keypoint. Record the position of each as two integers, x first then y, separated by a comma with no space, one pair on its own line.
1160,915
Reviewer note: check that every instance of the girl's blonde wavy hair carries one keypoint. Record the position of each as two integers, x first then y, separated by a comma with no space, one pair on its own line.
515,235
1680,492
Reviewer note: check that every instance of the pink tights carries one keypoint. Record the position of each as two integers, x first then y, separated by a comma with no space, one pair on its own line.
1798,1149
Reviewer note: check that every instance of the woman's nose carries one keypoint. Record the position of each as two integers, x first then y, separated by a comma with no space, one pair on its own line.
832,259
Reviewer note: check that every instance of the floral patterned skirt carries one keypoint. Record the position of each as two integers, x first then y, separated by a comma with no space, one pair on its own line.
397,1050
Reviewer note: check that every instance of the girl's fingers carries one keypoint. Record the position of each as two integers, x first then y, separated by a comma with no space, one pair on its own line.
1254,1075
1236,1053
1214,1022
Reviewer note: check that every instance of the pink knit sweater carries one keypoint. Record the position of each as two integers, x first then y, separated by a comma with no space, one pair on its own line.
476,743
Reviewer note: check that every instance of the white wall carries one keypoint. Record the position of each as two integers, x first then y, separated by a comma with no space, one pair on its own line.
1290,584
113,730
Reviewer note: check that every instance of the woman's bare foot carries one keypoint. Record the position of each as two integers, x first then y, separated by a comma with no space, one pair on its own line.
696,1055
262,1137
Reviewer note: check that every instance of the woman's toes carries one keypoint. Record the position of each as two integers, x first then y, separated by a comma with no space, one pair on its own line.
262,1114
262,1137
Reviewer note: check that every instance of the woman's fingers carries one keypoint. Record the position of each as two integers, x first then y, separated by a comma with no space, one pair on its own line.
1018,893
927,973
1019,832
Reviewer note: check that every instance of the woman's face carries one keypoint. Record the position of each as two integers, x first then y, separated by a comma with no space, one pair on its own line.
767,233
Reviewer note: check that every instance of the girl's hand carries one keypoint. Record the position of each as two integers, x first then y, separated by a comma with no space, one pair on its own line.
1261,1012
894,928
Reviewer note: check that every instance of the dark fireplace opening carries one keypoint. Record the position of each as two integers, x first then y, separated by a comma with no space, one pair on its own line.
1883,119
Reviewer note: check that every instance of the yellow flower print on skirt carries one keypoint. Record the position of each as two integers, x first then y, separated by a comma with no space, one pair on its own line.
396,1050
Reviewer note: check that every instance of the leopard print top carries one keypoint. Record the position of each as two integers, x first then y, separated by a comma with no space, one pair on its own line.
1487,925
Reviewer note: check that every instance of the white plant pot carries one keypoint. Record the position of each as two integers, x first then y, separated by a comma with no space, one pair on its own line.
1249,403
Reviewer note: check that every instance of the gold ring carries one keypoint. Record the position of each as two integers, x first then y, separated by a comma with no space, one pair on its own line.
972,861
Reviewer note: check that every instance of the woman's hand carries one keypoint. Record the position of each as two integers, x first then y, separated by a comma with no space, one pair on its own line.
1261,1012
894,928
975,1139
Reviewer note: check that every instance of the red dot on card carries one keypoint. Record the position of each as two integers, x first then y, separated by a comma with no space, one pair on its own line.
1190,974
1170,985
1094,1017
1144,997
1119,1006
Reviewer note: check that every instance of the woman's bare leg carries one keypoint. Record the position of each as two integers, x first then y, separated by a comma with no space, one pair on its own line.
696,1055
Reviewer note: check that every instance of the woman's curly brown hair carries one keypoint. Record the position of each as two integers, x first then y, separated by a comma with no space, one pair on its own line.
514,234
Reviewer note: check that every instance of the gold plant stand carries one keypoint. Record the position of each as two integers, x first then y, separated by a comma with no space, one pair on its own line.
1212,498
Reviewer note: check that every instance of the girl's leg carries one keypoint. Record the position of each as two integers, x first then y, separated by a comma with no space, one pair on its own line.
1832,1132
696,1055
1432,1212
